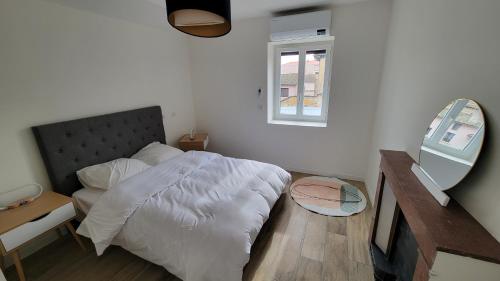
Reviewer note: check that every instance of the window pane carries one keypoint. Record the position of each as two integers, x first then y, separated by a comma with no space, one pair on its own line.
289,82
464,127
437,121
313,82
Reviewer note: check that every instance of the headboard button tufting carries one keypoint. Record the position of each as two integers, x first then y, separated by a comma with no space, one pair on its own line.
95,140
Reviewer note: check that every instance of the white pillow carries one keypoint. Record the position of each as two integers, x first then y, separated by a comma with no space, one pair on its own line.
107,175
155,152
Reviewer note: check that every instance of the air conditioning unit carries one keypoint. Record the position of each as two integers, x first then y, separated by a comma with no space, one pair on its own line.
301,26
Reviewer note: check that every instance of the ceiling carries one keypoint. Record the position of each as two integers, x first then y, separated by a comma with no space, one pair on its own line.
152,12
242,9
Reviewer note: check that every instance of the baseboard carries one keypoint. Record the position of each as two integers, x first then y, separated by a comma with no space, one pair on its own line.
340,176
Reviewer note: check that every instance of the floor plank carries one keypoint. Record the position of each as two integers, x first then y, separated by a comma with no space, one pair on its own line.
309,270
337,225
336,264
358,228
130,271
314,240
296,245
360,272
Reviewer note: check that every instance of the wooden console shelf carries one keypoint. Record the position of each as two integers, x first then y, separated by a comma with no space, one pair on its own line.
436,229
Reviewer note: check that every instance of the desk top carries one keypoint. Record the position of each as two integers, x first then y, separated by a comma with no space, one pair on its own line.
197,138
44,204
448,229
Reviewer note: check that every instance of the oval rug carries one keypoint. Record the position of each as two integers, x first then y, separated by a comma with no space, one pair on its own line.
328,196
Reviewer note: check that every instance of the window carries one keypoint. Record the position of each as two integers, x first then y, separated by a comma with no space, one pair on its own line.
299,74
448,137
285,92
456,130
456,126
437,122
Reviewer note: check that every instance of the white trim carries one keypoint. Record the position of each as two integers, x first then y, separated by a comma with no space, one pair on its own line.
322,39
274,91
300,84
447,156
431,185
469,152
449,266
298,123
344,177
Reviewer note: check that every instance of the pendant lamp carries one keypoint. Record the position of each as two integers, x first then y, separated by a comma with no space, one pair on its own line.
202,18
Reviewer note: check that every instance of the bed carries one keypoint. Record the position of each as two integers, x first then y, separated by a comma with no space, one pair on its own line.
85,198
197,215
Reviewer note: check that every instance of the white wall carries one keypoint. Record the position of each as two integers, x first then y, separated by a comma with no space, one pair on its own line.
59,63
228,71
440,50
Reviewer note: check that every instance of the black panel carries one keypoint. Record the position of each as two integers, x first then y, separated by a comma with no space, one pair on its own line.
67,147
401,263
404,256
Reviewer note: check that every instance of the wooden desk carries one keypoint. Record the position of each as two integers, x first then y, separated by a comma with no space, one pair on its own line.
449,232
20,225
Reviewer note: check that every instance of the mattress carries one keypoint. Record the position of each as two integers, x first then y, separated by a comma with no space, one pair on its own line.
197,215
86,197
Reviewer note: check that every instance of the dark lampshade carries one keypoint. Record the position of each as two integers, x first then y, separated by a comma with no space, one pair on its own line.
203,18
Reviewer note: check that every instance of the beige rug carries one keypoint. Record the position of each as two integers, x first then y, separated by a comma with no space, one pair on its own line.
328,196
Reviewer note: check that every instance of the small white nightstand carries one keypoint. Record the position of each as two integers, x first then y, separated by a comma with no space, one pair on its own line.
21,225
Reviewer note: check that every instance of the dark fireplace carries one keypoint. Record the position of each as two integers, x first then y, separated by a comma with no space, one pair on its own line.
400,263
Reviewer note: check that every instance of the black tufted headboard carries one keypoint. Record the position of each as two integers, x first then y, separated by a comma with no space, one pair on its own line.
67,147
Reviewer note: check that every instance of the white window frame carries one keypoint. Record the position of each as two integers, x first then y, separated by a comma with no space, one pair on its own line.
432,143
274,81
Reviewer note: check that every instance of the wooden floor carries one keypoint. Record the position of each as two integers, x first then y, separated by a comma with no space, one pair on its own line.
296,245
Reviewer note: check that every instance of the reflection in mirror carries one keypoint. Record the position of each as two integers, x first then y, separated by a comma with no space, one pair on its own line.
452,143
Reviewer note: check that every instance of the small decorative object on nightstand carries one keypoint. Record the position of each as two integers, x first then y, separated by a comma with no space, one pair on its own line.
21,225
199,142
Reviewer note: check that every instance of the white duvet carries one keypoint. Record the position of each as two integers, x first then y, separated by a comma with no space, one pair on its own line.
197,214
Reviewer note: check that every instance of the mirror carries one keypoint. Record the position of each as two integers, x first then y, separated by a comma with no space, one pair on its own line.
452,143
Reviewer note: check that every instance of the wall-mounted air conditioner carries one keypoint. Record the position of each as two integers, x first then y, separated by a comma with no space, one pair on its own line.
301,26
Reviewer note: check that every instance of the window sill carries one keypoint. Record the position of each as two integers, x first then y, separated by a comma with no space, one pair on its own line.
446,156
298,123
